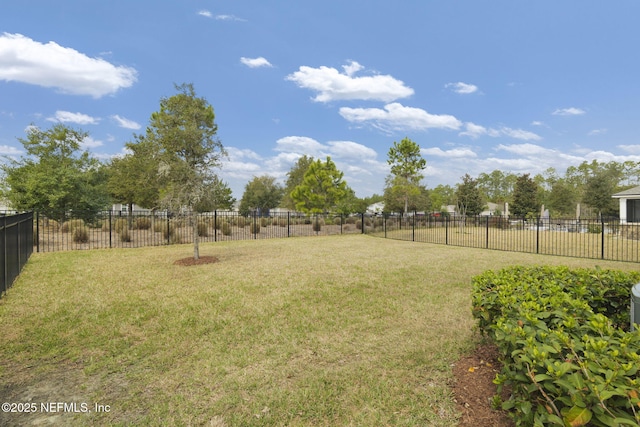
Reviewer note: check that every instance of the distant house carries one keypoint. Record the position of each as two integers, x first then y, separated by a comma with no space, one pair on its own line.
376,208
629,205
123,209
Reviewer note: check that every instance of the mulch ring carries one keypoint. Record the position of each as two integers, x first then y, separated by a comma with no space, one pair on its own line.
200,261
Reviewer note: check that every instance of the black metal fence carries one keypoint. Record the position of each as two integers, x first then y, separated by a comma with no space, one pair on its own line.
16,246
119,230
584,238
602,238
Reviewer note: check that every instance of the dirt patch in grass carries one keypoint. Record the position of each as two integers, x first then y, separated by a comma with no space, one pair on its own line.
200,261
474,389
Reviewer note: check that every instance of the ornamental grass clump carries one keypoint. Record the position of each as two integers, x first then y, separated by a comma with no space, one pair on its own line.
80,234
71,225
143,223
226,229
569,356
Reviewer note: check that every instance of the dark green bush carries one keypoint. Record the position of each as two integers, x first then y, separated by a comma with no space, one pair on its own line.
568,355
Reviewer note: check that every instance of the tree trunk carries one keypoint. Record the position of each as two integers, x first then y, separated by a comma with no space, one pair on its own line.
196,238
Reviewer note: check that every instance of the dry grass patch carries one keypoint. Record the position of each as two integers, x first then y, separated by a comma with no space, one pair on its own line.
318,331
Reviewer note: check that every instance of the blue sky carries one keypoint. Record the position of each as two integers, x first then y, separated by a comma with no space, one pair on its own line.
519,86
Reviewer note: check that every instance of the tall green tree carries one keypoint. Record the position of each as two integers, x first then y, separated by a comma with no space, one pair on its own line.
261,194
185,130
441,196
496,186
525,197
561,198
322,188
133,178
407,165
468,196
217,195
598,191
294,178
56,177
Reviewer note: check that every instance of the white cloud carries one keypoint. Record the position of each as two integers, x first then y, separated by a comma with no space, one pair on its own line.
597,132
633,149
7,150
126,123
351,150
51,65
572,111
352,68
462,88
520,134
229,18
301,145
89,142
396,116
69,117
332,85
454,153
205,13
475,131
255,62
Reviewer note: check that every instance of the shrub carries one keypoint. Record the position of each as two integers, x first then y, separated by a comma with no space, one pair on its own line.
159,226
143,223
255,227
203,229
282,222
359,224
175,237
119,224
80,234
567,355
226,229
317,224
125,235
241,222
264,222
594,228
71,225
219,223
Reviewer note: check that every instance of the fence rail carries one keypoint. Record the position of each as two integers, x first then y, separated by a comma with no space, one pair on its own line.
16,246
584,238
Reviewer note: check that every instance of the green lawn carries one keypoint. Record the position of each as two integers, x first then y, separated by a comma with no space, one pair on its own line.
308,331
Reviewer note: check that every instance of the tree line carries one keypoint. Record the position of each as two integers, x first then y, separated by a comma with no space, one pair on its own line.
172,166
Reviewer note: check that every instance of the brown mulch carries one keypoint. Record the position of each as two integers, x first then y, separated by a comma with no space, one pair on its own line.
474,389
200,261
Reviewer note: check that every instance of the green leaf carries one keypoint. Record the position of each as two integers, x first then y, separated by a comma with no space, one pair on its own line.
576,416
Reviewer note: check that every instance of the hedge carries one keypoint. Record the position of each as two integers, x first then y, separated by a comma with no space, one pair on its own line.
569,357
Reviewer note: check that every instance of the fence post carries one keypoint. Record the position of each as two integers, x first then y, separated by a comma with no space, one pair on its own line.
37,231
255,225
487,247
3,235
602,237
168,230
384,224
446,230
537,234
110,229
362,222
288,223
413,231
215,225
